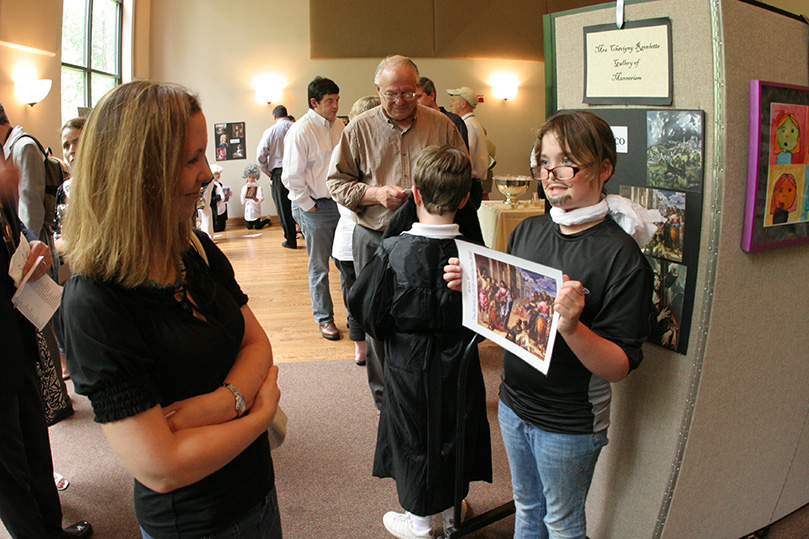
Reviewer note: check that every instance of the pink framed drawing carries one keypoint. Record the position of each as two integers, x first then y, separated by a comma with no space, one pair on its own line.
777,200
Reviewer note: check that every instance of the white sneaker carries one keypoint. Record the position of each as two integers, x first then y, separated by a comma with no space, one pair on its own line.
450,522
398,524
61,481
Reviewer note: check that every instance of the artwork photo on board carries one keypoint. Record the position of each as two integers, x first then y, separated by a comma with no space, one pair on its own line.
668,240
777,197
674,149
668,297
510,300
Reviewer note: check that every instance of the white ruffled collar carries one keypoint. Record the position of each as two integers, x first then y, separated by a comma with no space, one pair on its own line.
633,218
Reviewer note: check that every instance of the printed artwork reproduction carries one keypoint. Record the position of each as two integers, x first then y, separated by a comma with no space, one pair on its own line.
230,141
510,300
674,149
668,240
668,296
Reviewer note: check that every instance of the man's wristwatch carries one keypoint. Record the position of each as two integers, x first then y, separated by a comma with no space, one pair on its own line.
240,404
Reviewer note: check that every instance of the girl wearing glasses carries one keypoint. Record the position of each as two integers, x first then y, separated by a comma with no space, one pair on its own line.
555,426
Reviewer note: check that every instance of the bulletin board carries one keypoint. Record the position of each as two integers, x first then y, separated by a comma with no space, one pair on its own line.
230,141
661,166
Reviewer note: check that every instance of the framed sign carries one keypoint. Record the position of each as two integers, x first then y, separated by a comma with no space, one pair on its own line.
777,200
628,66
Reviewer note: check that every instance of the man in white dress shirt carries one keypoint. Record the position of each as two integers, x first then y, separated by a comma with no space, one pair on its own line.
463,104
270,155
307,151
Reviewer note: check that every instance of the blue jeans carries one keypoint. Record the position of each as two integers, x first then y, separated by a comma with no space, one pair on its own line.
550,476
261,522
318,226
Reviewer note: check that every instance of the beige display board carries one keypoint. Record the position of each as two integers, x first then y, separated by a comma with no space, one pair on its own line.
713,443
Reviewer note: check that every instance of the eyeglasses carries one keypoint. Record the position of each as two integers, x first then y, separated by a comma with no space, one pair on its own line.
392,97
562,172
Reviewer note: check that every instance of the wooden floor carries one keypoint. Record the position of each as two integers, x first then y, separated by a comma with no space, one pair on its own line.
275,279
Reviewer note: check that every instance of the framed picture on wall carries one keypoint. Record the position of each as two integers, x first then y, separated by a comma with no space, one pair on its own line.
777,198
230,141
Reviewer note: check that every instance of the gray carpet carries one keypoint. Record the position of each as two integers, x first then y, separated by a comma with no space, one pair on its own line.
323,470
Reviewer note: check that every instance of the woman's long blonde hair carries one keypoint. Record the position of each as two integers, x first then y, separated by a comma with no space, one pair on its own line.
123,219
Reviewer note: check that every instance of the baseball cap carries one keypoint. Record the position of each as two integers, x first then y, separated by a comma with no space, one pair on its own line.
466,93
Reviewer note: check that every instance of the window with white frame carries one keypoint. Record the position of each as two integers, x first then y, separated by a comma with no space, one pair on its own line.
91,52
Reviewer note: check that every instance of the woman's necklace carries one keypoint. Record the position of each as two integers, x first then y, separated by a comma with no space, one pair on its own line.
177,284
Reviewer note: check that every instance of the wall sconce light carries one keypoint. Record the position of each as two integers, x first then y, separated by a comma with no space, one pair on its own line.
269,89
504,86
32,92
268,95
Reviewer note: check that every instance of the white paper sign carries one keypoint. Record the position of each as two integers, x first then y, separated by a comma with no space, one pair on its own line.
621,134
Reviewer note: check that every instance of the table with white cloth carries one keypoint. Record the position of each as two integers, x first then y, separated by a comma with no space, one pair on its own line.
498,220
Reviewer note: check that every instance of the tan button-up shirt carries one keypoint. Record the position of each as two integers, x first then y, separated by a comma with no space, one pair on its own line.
373,152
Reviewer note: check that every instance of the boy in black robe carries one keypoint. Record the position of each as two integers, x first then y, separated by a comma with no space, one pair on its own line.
400,298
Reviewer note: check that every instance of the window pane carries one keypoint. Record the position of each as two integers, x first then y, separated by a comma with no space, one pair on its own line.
105,36
100,85
72,93
73,27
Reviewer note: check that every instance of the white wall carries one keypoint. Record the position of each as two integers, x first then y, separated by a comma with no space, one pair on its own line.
218,49
43,32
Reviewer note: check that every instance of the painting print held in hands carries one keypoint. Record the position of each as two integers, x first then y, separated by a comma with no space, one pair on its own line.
510,300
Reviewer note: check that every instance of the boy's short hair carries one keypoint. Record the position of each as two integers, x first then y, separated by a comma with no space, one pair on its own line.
443,176
587,137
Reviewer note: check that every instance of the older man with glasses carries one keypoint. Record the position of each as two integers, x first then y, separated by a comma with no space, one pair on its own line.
371,171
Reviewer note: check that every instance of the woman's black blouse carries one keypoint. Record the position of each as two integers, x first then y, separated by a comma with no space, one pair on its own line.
130,349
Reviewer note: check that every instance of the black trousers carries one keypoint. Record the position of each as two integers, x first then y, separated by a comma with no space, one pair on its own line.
348,275
280,196
363,246
29,502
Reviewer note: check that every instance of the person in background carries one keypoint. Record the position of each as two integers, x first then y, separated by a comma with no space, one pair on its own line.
554,426
252,196
400,298
370,177
70,135
307,150
270,157
158,332
341,250
36,208
29,501
463,103
204,209
426,97
219,200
